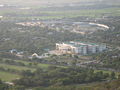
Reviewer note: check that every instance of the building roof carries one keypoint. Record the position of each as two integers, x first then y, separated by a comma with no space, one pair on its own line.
81,44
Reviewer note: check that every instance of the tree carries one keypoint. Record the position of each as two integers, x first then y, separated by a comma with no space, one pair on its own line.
112,76
3,86
27,73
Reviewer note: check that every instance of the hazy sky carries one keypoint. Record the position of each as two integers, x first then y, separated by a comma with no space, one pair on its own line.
44,1
49,1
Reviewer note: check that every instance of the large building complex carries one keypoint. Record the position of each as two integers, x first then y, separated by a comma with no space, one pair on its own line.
79,48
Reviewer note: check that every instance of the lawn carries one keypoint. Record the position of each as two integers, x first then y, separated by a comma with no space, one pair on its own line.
28,65
19,68
6,76
37,65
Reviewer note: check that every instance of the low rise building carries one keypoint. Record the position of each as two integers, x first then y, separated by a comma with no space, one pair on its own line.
79,48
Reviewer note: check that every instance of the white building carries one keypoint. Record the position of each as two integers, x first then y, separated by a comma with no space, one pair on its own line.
79,48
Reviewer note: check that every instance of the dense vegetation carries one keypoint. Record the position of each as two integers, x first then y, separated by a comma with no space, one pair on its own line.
111,36
110,60
56,76
113,85
31,39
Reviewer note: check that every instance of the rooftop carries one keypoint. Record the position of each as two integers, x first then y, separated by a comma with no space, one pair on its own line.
80,44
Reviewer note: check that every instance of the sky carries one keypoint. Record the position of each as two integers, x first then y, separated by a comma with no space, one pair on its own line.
50,1
33,2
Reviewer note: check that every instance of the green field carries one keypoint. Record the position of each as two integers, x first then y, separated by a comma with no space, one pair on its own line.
44,15
19,68
6,76
38,64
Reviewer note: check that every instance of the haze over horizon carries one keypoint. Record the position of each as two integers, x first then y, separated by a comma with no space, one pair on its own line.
39,2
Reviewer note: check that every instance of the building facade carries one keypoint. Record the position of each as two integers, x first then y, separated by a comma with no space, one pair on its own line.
81,48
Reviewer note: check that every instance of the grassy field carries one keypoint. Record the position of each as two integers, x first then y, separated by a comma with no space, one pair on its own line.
19,68
38,64
5,76
44,15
